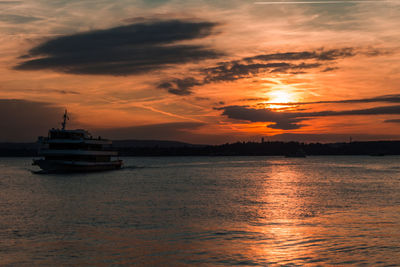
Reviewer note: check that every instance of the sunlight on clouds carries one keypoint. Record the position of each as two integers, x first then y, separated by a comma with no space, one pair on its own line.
279,95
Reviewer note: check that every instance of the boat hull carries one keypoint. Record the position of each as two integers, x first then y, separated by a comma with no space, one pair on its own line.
58,166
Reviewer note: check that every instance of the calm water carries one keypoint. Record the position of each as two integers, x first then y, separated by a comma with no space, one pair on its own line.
204,211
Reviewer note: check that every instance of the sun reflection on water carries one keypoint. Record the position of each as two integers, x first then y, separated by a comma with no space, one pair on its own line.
285,215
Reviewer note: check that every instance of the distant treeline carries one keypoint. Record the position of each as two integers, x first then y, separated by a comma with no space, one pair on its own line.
376,148
18,149
167,148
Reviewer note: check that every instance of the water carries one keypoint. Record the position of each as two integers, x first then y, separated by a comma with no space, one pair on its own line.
209,211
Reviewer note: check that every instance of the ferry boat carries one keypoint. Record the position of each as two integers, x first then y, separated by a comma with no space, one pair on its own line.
75,151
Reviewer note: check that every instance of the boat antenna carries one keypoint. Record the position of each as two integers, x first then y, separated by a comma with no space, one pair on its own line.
64,123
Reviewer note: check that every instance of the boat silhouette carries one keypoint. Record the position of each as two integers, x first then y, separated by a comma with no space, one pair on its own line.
75,151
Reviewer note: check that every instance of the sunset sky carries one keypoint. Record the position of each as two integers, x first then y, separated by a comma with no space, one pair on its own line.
201,71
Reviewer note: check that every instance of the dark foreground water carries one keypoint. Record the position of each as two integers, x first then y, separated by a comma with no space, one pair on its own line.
204,211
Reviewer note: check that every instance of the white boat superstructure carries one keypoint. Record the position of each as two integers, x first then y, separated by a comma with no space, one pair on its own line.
75,150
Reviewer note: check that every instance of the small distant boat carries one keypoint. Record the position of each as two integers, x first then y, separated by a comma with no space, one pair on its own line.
75,151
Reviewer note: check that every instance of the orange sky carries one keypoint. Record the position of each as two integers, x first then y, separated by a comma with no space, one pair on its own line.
201,71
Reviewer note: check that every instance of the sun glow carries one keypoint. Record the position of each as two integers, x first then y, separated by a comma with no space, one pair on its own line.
279,98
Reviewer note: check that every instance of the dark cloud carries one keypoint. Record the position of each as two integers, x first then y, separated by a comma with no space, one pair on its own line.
54,91
180,86
384,98
22,120
288,62
230,72
327,69
289,124
254,99
332,54
124,50
386,110
326,138
282,120
202,98
290,120
236,71
64,92
282,63
10,2
17,19
393,121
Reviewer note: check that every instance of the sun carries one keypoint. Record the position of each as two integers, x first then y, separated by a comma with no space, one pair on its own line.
279,98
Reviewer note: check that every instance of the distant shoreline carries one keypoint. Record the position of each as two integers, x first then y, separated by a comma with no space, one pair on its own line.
156,148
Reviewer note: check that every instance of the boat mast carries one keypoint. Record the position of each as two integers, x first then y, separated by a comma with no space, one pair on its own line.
64,123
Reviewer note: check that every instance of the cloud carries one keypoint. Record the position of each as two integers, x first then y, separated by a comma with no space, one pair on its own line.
289,124
281,120
393,121
326,138
180,86
10,2
47,91
386,110
327,69
384,98
63,92
324,55
124,50
236,71
23,120
282,63
286,62
290,120
17,19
